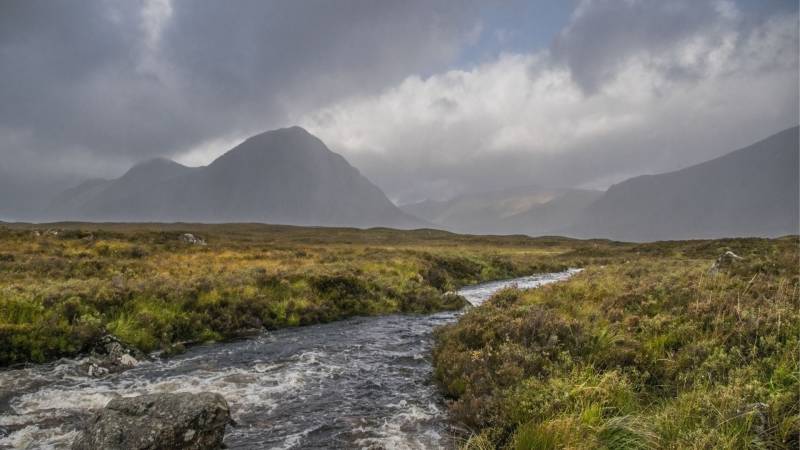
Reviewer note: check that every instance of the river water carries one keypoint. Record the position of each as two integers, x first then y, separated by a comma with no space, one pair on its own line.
364,382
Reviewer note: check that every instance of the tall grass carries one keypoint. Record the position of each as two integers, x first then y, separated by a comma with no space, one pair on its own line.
59,292
647,350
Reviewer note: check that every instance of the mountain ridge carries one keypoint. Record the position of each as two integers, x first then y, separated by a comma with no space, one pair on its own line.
751,191
285,176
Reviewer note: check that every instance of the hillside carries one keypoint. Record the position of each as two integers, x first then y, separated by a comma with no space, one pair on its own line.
283,176
749,192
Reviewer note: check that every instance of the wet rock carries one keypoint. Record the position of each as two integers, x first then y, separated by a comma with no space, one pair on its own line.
158,422
724,260
189,238
110,355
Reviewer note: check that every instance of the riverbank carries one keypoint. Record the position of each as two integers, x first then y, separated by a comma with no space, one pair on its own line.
363,382
652,349
154,286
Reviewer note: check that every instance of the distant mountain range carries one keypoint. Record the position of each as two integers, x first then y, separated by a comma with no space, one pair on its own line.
531,210
288,176
753,191
284,176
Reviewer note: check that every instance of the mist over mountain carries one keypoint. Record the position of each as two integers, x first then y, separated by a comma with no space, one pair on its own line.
532,210
288,176
753,191
284,176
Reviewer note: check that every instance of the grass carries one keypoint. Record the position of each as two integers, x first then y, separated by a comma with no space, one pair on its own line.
645,350
63,285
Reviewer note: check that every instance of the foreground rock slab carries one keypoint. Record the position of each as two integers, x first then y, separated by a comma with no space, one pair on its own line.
158,422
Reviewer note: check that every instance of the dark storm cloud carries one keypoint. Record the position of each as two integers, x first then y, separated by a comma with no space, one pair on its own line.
49,51
604,34
309,51
628,86
97,84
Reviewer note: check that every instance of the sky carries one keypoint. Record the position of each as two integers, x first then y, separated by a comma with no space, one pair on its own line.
428,99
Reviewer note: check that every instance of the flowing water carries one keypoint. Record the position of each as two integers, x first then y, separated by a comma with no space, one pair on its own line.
364,382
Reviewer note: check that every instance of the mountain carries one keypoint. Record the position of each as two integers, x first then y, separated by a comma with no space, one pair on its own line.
553,216
532,210
284,176
23,196
753,191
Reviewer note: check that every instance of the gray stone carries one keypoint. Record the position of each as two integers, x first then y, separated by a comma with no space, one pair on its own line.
724,260
189,238
110,355
182,421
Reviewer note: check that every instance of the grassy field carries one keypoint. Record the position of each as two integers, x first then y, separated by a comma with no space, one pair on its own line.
63,285
645,350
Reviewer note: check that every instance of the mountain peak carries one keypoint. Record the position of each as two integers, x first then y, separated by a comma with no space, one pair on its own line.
155,163
295,131
154,169
292,142
281,176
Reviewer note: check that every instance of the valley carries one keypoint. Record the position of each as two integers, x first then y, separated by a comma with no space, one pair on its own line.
635,340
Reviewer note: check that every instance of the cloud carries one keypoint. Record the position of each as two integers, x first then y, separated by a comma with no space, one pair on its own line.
627,86
98,85
610,99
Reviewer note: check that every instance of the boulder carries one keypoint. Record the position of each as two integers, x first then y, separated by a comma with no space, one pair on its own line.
723,261
189,238
110,355
180,421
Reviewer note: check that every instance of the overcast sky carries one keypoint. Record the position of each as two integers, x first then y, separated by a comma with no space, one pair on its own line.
427,98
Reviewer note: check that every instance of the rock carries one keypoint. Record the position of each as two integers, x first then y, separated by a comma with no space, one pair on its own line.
725,260
158,422
189,238
109,355
118,353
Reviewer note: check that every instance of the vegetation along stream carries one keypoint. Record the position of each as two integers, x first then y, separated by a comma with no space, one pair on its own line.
364,382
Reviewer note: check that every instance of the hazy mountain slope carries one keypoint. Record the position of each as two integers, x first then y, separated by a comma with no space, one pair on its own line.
551,217
282,176
526,210
74,198
23,197
749,192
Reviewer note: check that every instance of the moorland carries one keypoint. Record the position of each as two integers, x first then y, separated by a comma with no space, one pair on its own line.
64,285
651,346
655,345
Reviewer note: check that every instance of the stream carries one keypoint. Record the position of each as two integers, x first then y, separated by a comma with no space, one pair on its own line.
364,382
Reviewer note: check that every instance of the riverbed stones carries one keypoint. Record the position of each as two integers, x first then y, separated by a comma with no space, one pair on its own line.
182,421
110,355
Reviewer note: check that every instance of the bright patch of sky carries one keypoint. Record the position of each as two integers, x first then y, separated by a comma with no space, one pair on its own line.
516,26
